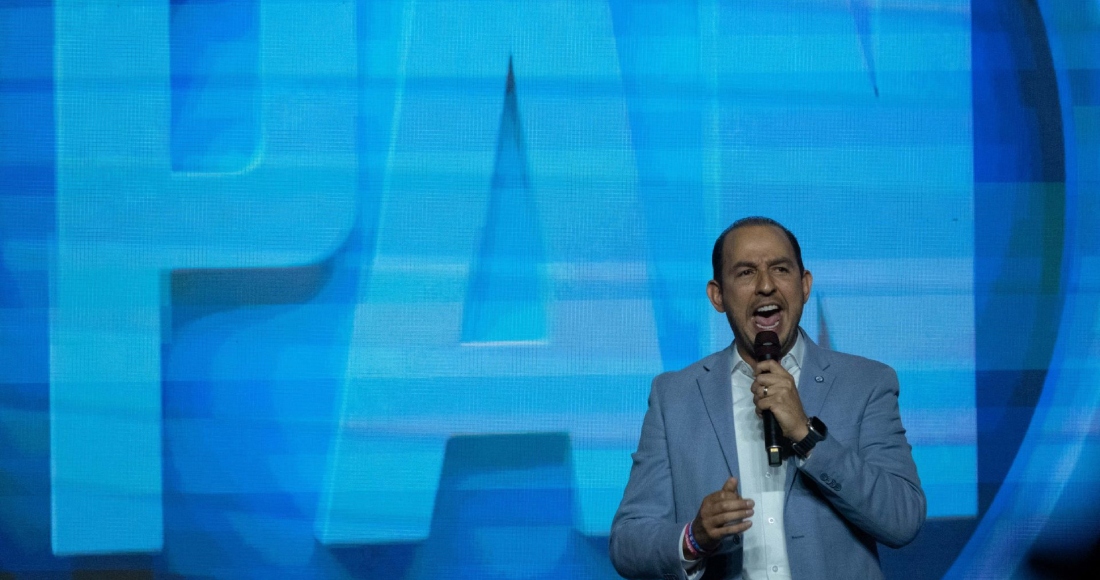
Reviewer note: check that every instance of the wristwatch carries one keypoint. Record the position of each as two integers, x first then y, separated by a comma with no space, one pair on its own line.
818,432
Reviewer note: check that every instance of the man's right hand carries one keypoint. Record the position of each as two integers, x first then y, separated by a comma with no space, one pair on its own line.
722,514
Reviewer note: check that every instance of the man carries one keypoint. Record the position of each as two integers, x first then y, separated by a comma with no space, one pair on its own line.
702,500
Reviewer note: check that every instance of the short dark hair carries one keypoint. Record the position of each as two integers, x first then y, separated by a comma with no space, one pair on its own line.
719,244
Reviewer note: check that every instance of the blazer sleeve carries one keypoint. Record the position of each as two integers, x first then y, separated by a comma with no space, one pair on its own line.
872,479
644,536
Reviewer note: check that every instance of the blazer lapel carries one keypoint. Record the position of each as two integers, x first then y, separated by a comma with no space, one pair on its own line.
717,392
814,385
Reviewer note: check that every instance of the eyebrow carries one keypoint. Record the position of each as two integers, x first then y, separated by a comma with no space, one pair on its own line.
775,262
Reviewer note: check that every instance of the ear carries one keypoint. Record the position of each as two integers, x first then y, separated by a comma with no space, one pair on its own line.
714,292
807,284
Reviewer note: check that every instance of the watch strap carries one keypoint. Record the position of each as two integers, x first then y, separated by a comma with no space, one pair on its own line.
817,432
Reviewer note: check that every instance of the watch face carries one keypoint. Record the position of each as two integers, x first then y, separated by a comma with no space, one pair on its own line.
818,432
819,427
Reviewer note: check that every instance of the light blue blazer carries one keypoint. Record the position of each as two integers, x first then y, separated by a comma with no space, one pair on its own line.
858,487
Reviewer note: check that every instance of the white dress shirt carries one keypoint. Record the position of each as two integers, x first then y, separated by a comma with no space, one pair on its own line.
764,544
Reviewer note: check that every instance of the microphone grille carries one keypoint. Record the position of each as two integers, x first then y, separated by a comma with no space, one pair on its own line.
767,346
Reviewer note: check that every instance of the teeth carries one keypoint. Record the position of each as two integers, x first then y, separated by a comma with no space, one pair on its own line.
767,309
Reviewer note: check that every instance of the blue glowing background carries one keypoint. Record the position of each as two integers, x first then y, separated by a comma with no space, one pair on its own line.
301,288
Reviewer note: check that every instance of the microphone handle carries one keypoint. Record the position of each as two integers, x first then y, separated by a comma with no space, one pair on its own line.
773,435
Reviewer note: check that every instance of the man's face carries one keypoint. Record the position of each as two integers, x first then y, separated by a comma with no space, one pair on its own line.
761,288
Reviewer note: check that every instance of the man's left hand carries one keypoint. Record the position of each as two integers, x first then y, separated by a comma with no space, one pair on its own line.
774,390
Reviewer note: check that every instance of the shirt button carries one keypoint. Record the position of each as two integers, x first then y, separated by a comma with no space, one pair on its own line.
771,520
775,568
767,475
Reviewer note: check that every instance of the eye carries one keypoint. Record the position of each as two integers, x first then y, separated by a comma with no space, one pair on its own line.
742,273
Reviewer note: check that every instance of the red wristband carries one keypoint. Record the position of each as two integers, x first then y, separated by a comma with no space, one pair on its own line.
690,544
693,546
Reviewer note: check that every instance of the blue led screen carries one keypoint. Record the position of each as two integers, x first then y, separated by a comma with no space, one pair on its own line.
325,288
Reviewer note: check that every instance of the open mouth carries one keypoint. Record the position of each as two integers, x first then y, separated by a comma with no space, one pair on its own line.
767,317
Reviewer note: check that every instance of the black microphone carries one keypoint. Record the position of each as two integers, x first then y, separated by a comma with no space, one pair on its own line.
767,348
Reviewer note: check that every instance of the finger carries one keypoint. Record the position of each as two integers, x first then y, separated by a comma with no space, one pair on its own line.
731,485
718,504
734,505
778,400
720,514
714,497
727,518
732,529
758,390
759,397
711,523
765,389
721,495
771,382
765,404
767,366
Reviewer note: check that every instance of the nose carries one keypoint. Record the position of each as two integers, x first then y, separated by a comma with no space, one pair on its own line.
764,283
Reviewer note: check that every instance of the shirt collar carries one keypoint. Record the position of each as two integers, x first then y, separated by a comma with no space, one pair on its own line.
791,361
